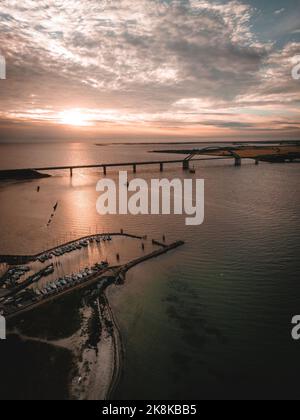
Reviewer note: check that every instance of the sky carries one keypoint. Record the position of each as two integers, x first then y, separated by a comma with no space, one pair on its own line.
145,70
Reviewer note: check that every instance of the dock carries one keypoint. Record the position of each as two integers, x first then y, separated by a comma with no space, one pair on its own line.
163,250
26,259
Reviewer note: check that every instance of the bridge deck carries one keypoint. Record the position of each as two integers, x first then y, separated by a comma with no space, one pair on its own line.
114,165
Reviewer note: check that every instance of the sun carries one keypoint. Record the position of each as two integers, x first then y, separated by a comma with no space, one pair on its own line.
73,117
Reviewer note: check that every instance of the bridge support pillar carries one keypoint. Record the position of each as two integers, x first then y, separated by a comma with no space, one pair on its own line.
161,166
186,165
134,169
256,161
237,161
71,172
104,170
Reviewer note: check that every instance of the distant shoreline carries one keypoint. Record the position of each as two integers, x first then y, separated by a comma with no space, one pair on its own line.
20,174
181,143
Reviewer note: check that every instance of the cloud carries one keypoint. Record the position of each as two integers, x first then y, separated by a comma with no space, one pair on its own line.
279,11
276,85
146,62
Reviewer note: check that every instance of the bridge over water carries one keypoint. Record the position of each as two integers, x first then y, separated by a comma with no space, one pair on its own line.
235,153
160,163
105,166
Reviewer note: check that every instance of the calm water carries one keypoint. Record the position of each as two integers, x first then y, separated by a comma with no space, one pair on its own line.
211,320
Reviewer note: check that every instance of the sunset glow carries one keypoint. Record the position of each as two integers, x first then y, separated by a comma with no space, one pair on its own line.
74,118
171,69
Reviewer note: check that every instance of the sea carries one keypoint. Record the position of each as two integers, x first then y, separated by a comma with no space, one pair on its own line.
210,320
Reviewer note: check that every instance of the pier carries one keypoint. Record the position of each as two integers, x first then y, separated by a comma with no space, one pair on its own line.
26,259
163,250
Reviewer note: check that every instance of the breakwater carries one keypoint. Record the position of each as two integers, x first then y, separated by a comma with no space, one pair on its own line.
25,259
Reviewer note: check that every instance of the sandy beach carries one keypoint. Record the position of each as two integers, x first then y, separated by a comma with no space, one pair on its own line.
98,366
97,356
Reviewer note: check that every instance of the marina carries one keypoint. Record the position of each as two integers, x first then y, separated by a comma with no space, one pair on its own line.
21,293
